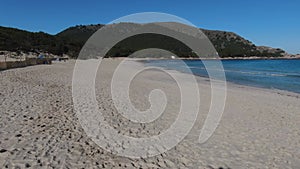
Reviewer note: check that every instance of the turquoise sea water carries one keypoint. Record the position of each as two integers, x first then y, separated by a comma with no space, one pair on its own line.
280,74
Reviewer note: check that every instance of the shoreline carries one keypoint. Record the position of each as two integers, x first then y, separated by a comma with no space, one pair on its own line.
297,57
279,91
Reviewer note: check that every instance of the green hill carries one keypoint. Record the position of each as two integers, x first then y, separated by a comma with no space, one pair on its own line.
12,39
71,40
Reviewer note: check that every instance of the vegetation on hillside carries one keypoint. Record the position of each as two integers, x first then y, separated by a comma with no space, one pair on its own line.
71,40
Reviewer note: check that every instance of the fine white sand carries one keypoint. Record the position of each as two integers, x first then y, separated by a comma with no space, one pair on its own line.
39,129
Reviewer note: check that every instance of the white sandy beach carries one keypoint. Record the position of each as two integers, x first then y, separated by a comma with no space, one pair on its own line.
39,129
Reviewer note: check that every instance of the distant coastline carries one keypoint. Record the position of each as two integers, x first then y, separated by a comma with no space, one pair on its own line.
287,57
279,74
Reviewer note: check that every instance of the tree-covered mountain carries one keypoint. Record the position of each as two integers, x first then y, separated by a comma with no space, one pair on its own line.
229,44
12,39
79,33
71,40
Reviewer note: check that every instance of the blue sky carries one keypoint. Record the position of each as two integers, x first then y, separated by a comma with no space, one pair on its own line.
273,23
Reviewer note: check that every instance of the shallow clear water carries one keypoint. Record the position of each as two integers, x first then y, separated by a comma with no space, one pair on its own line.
280,74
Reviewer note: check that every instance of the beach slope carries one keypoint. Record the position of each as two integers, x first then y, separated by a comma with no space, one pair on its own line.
39,129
